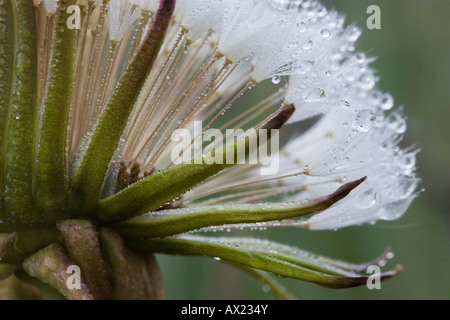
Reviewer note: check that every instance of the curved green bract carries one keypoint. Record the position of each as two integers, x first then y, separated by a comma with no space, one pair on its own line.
174,221
20,136
260,254
51,173
6,77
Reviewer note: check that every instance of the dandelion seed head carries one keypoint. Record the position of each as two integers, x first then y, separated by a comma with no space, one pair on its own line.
217,51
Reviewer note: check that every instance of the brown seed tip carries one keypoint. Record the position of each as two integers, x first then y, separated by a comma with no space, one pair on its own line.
281,118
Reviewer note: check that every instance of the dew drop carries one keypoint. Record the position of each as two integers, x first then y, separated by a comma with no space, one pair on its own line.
217,258
266,288
301,26
360,57
367,199
307,46
17,117
387,102
409,162
276,79
325,33
316,94
353,34
365,120
366,81
396,122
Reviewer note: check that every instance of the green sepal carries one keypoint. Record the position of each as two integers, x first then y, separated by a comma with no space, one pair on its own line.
264,255
22,120
7,58
51,169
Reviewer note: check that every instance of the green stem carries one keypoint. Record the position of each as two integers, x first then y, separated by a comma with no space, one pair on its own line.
105,139
22,124
51,175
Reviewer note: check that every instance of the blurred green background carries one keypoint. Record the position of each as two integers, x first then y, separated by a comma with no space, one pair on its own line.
413,50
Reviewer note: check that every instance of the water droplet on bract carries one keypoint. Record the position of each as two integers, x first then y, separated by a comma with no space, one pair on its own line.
325,33
328,73
389,255
345,124
276,79
365,120
17,117
266,288
216,258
